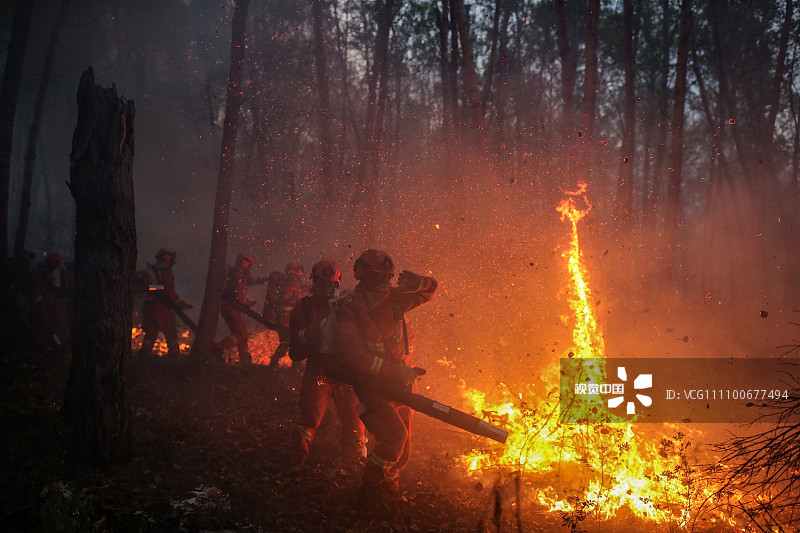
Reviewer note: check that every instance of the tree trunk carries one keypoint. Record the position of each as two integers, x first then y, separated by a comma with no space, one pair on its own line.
491,63
590,87
660,144
775,94
455,61
473,93
502,81
567,72
33,133
209,313
366,194
725,93
718,148
442,21
672,220
96,405
628,149
9,94
323,106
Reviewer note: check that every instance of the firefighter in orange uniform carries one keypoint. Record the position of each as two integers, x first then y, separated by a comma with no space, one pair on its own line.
284,290
317,389
371,341
49,288
157,315
235,292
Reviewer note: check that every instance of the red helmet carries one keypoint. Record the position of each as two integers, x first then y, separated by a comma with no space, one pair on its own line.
373,261
327,269
245,257
293,267
166,251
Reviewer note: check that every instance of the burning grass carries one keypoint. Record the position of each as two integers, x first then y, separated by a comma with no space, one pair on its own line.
613,474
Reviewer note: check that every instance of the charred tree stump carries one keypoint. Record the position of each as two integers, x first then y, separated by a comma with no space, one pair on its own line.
96,406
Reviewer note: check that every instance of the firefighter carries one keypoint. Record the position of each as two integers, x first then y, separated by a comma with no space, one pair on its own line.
284,290
49,293
317,389
235,292
371,342
156,313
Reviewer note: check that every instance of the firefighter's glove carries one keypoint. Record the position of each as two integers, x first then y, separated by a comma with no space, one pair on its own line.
410,282
408,375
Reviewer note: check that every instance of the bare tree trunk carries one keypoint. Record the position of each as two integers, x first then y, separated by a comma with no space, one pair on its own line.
455,61
794,105
9,94
672,220
366,194
567,73
33,133
655,194
718,148
209,313
96,405
726,94
590,86
324,106
775,94
473,93
502,80
628,149
490,65
442,21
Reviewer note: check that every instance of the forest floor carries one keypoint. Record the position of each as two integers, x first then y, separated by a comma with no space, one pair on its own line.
211,453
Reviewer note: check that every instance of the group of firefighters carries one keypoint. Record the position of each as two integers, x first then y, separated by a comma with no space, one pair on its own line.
360,337
36,299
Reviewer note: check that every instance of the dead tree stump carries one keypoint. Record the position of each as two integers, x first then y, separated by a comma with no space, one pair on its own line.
96,406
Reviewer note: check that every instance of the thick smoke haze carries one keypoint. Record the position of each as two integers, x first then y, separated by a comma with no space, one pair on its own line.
488,231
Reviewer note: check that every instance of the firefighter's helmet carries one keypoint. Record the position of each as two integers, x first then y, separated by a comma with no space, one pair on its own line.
294,267
166,251
245,257
165,258
328,270
373,261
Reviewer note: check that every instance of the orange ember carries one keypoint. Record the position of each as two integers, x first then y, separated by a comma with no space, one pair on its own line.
262,342
185,338
601,471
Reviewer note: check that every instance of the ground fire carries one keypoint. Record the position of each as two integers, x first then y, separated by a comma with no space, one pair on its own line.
598,472
262,341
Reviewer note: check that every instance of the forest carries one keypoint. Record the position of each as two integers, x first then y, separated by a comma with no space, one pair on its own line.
583,178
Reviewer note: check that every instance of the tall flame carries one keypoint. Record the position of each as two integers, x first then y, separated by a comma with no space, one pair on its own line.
603,470
586,335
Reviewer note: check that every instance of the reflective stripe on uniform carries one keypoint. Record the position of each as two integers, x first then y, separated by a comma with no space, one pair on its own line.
302,336
391,475
384,465
377,363
306,433
380,346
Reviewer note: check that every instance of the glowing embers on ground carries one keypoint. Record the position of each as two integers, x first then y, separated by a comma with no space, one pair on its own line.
597,471
262,343
185,338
